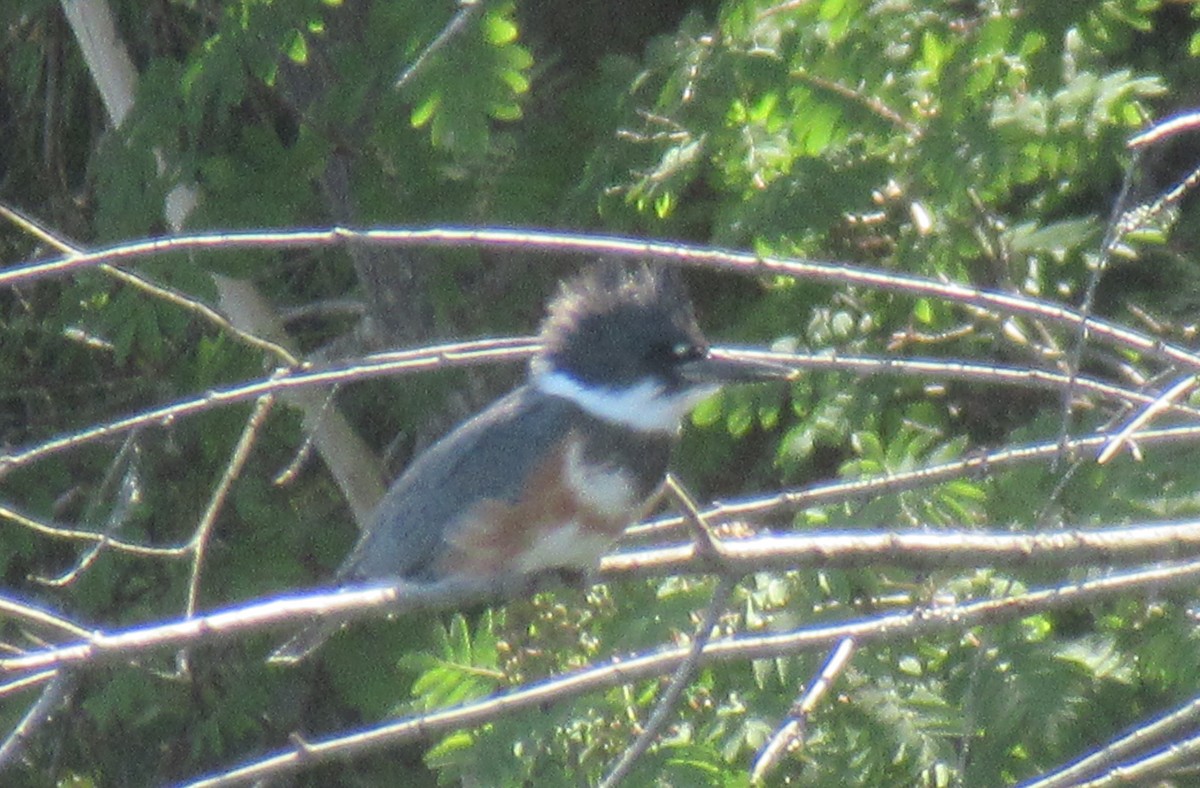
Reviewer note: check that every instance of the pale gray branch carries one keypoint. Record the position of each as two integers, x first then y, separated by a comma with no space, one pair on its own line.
906,624
791,733
625,248
38,714
1165,729
913,551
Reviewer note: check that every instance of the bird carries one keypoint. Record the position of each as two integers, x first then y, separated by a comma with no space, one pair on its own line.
547,478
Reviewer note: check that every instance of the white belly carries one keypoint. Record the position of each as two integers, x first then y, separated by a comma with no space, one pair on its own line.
605,491
567,546
607,494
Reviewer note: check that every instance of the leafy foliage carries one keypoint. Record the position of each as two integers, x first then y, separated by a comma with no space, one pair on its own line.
981,143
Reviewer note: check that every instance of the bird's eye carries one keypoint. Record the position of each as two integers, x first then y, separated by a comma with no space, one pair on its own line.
685,351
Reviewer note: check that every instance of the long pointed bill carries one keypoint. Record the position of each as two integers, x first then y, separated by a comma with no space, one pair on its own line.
720,369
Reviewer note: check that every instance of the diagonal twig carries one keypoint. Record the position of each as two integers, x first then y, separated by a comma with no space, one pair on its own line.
1144,771
1165,729
143,283
681,678
200,538
123,465
1144,417
709,551
53,694
468,9
792,731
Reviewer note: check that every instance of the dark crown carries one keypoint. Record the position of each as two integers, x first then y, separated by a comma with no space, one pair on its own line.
613,327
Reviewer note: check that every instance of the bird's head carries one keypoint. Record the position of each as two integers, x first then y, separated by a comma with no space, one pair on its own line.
624,345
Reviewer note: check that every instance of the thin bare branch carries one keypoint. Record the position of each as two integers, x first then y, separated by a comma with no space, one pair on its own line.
124,467
352,465
1144,771
978,464
682,677
144,284
1166,729
1123,221
639,668
612,246
237,460
468,9
1144,417
707,548
515,348
81,535
1176,124
872,104
340,604
910,550
791,734
53,694
324,309
953,369
476,352
921,551
41,618
377,365
350,461
25,682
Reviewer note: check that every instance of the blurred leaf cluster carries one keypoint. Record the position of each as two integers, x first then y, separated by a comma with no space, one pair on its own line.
977,142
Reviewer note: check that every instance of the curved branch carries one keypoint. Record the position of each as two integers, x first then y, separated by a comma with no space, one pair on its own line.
914,551
621,247
908,624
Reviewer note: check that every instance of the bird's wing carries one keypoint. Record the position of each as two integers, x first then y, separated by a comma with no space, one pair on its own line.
486,458
489,457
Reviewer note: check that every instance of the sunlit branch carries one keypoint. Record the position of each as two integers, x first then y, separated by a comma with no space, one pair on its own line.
1164,730
613,246
468,9
921,551
82,535
976,465
1144,417
32,615
1163,129
907,624
25,682
707,548
142,283
516,348
376,365
791,733
237,460
684,673
1179,754
344,604
741,556
52,696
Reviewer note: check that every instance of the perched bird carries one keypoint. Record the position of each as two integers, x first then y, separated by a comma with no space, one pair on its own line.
546,478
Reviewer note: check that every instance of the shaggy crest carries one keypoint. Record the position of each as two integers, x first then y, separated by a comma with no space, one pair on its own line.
608,304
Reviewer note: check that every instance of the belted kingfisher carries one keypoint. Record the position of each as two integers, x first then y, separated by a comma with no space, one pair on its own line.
546,478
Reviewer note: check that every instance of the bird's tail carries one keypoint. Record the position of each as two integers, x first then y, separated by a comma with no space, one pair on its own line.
303,643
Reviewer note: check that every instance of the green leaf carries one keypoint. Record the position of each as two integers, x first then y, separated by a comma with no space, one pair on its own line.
424,112
296,47
499,30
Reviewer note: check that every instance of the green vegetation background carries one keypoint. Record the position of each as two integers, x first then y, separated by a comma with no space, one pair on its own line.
979,142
